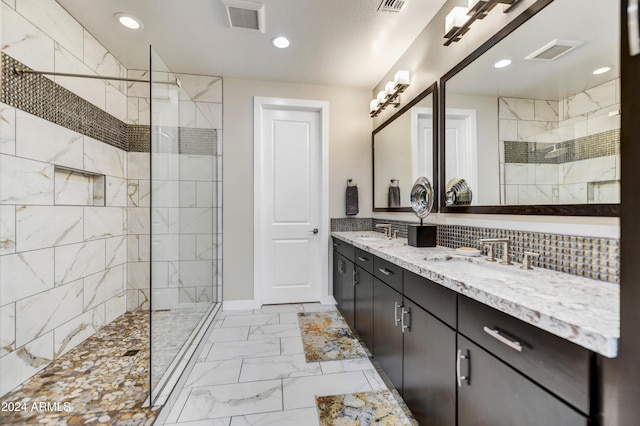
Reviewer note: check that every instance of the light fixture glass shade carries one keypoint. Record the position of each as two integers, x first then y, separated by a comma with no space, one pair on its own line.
401,77
388,88
456,18
281,42
381,96
373,105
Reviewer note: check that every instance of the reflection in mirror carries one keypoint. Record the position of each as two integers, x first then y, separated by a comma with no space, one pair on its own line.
402,152
544,129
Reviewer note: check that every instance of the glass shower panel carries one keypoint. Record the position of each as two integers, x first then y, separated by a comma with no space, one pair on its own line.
183,222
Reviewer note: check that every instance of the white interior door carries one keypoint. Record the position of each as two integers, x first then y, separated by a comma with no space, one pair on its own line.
288,244
461,146
422,143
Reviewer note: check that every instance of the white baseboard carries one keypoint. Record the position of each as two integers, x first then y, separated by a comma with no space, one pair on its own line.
237,305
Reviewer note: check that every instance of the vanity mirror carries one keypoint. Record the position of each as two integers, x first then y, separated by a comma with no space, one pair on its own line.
404,148
531,120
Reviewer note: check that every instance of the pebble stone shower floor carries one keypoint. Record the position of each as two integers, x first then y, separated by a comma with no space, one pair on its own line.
104,380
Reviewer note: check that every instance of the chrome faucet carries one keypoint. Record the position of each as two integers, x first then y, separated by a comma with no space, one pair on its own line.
526,259
505,248
387,229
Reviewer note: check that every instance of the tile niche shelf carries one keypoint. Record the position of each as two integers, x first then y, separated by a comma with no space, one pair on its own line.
78,187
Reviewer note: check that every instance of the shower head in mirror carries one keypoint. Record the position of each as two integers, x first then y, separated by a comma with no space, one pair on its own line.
458,192
422,197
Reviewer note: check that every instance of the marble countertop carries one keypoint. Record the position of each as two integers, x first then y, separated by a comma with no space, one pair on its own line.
581,310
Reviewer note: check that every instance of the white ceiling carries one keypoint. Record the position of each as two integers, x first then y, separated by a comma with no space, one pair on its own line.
597,25
333,42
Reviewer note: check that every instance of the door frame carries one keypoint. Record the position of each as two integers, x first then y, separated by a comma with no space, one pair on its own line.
259,229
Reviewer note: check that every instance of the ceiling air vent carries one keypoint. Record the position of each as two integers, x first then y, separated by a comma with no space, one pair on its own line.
245,14
554,49
391,5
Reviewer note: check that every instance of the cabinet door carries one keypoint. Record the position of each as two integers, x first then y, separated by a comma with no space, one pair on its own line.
497,395
338,262
364,306
348,292
429,367
387,336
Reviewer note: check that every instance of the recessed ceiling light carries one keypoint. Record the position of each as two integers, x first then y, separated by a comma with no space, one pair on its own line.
281,42
601,70
502,63
129,21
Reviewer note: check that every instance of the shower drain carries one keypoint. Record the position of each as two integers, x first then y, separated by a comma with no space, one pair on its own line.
131,352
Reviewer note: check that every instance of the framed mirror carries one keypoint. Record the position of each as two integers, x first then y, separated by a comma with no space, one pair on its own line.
405,148
531,120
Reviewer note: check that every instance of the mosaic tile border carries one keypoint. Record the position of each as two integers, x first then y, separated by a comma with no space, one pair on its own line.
593,146
46,99
351,224
590,257
42,97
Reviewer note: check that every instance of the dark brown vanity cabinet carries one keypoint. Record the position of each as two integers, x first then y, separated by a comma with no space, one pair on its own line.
493,393
512,373
457,361
387,331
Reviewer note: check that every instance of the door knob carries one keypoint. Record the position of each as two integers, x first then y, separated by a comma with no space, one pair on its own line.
315,230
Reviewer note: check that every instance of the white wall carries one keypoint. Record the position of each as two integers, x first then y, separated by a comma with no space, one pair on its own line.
349,157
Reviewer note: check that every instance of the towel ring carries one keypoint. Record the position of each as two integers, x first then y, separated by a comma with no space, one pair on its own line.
350,182
397,182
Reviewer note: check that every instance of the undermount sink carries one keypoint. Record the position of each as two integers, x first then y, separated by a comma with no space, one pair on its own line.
484,270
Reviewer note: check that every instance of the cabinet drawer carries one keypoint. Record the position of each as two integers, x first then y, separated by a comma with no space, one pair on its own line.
439,301
388,273
364,260
555,363
345,249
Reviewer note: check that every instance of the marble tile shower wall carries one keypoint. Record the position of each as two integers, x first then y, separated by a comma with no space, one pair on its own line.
67,261
62,261
542,123
186,228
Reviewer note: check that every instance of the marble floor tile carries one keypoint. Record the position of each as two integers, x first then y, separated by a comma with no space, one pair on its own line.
225,314
230,334
291,345
342,366
274,330
299,417
277,367
244,320
177,406
301,392
289,318
212,373
249,349
375,380
232,400
208,422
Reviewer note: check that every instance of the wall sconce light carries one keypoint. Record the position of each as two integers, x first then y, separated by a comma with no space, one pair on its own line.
459,20
391,93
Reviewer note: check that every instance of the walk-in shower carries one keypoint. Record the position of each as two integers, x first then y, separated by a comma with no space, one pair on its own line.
106,218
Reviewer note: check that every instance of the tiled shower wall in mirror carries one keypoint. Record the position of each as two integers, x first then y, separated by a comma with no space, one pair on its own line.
561,152
65,256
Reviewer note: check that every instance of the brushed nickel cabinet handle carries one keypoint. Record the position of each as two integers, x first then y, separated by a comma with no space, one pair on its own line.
385,271
395,312
362,259
499,337
460,378
404,326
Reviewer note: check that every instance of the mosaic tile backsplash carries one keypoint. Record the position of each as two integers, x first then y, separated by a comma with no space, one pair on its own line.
596,258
